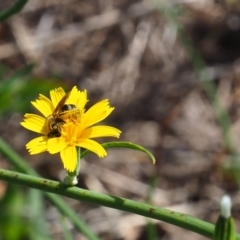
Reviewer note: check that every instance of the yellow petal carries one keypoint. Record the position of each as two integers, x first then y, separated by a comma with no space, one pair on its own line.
82,99
56,145
93,146
72,98
56,96
69,158
37,145
77,98
43,105
100,131
34,123
97,113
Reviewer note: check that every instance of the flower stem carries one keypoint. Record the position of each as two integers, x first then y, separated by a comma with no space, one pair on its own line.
59,203
175,218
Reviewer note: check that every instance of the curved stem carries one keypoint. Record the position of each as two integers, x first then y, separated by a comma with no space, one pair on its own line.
62,206
17,7
184,221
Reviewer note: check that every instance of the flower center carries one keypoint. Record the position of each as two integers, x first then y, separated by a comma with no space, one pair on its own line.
70,131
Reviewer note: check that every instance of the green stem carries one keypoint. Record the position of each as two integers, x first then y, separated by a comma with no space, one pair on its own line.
17,7
62,206
151,228
184,221
78,160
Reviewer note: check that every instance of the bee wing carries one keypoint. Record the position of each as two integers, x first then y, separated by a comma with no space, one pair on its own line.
60,104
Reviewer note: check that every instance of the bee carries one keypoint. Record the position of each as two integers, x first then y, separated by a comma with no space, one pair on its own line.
59,116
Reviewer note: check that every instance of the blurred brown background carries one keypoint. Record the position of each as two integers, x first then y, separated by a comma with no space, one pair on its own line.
130,53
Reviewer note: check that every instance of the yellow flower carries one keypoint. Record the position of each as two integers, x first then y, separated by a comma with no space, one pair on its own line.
75,128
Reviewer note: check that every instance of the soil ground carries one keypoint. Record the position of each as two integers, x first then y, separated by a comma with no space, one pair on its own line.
136,54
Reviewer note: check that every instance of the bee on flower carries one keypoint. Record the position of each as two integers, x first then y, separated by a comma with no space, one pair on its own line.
61,114
66,124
